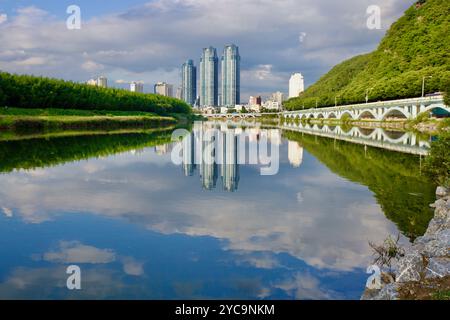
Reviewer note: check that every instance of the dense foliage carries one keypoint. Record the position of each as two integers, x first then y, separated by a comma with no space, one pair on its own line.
22,91
437,164
416,46
394,178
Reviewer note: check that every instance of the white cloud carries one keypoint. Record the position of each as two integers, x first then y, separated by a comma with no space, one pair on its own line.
3,17
92,66
140,44
32,61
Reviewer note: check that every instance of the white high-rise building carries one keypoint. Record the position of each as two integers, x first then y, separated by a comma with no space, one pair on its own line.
296,85
102,82
137,87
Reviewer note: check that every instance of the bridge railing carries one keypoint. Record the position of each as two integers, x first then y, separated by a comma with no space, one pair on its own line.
379,104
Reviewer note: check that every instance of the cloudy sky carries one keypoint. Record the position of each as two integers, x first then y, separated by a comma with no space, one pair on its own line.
148,40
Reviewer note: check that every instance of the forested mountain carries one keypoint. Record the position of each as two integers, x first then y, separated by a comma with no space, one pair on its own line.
416,46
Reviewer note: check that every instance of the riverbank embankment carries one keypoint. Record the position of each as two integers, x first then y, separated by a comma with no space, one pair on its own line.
423,271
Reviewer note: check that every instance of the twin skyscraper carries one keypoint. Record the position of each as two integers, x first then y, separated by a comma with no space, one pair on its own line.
208,84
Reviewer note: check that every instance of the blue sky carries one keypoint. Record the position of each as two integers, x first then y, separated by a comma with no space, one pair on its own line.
149,40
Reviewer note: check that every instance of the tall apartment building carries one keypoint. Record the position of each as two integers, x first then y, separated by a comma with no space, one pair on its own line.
231,76
189,82
296,85
209,78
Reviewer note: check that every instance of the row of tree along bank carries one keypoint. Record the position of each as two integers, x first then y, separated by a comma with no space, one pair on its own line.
23,91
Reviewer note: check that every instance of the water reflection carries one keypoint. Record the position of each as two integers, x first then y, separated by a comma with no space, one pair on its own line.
215,149
117,206
400,141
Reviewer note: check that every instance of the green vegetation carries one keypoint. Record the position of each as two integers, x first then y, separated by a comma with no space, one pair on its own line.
29,92
394,178
441,295
437,164
416,46
44,152
69,112
44,123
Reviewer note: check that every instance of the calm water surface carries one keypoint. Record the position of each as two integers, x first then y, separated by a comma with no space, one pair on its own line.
140,226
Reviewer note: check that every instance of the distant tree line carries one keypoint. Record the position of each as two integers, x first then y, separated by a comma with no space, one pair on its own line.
23,91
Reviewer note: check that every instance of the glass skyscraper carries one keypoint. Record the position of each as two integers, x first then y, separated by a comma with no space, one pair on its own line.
189,82
231,76
209,77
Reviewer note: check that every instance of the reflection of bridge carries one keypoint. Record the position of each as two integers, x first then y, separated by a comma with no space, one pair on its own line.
238,115
405,142
405,108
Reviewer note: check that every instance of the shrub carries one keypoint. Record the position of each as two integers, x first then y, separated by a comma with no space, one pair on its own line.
437,164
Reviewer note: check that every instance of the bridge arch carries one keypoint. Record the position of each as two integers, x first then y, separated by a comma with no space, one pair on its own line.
367,114
396,112
332,115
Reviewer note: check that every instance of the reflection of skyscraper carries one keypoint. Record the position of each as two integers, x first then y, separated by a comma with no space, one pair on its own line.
189,155
230,166
208,168
208,147
295,154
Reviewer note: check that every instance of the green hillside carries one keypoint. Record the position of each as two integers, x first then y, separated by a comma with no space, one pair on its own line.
416,46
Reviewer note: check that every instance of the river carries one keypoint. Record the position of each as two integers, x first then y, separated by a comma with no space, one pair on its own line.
142,222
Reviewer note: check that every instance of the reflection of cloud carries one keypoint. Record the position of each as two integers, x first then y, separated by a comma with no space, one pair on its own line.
46,283
261,261
305,287
132,267
329,229
76,252
8,212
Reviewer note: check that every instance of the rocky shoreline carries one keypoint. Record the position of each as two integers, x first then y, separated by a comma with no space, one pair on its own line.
427,261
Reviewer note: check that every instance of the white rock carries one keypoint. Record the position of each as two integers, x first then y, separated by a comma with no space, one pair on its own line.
438,268
441,192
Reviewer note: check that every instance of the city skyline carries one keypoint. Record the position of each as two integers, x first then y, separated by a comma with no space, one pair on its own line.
116,41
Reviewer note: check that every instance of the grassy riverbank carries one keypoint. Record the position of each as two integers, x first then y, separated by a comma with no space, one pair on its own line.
42,123
51,119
